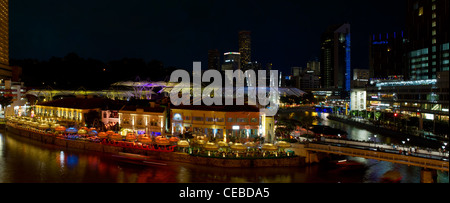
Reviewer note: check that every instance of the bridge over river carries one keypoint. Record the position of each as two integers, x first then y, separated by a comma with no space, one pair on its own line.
428,160
413,159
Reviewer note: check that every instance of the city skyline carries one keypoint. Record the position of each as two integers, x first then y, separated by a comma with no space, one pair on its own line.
286,34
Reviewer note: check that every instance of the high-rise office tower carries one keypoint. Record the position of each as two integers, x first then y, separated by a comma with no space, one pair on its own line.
427,28
336,58
313,67
245,48
232,61
213,59
387,55
5,70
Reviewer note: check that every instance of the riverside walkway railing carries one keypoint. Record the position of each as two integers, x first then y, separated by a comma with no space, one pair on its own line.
389,156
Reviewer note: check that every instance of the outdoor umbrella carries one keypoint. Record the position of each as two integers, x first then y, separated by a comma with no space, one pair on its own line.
283,144
269,147
93,133
71,130
183,143
130,137
163,141
60,128
238,147
211,147
82,132
102,135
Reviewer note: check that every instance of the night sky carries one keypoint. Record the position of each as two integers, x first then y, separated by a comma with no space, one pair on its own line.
284,32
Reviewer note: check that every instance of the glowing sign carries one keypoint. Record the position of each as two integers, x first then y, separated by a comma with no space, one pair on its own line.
232,53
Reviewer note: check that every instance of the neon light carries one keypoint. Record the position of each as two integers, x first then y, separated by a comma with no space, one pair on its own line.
407,83
232,53
380,42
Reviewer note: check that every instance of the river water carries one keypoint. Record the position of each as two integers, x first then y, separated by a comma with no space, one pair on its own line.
28,161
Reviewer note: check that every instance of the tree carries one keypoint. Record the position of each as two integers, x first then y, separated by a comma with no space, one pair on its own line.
377,115
307,122
90,117
286,126
5,101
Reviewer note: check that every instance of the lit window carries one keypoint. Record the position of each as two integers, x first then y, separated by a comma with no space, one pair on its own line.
445,47
420,11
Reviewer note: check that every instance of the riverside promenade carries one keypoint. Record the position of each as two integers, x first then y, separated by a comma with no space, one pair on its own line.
247,162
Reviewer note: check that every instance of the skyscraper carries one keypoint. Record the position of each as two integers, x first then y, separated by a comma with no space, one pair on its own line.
245,48
314,67
387,55
5,70
336,58
427,27
232,61
213,59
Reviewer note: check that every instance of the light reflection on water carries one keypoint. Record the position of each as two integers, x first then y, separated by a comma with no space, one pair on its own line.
24,160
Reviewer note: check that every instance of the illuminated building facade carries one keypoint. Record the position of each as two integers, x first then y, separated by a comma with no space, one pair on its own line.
358,99
72,110
426,99
5,70
222,122
428,35
142,119
336,59
15,90
245,48
232,61
360,78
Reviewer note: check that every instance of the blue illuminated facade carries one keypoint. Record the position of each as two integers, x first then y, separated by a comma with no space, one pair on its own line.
348,68
336,69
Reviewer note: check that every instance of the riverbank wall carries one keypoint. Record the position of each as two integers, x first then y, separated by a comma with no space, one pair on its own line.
294,161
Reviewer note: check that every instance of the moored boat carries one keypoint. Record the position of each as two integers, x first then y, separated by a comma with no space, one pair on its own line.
328,132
